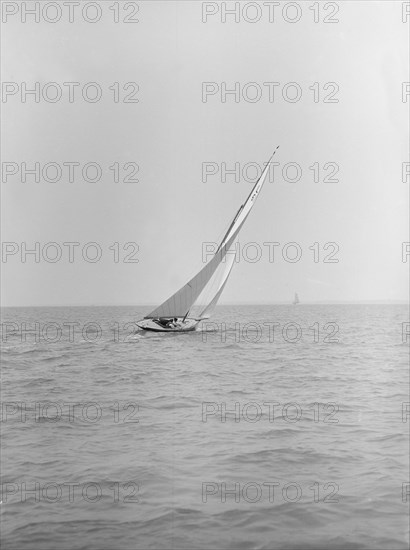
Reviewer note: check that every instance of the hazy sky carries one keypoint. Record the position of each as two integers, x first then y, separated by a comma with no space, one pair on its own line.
172,130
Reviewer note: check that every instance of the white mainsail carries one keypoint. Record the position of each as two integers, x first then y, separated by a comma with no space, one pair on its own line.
179,304
208,310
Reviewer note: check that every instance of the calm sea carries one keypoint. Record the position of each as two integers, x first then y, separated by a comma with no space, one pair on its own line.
275,427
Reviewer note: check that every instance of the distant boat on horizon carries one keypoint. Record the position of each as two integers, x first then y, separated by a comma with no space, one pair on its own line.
173,314
296,300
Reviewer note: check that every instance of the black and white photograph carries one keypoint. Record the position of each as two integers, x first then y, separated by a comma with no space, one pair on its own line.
205,258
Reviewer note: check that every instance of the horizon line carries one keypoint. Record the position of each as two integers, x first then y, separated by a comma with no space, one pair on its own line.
307,302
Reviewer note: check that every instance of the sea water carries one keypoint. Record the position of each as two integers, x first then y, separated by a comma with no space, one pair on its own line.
272,427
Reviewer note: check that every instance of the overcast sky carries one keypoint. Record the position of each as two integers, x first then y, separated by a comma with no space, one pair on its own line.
172,130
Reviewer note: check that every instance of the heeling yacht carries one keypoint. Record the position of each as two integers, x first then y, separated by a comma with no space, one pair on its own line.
175,314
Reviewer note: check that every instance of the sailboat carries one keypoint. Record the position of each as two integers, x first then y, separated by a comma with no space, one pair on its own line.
296,299
175,314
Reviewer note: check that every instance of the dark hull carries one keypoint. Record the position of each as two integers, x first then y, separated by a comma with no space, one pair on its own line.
149,324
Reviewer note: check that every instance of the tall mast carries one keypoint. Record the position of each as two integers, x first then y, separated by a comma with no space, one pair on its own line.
263,175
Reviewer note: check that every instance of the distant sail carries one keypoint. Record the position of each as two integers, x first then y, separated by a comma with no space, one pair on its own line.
179,304
296,299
